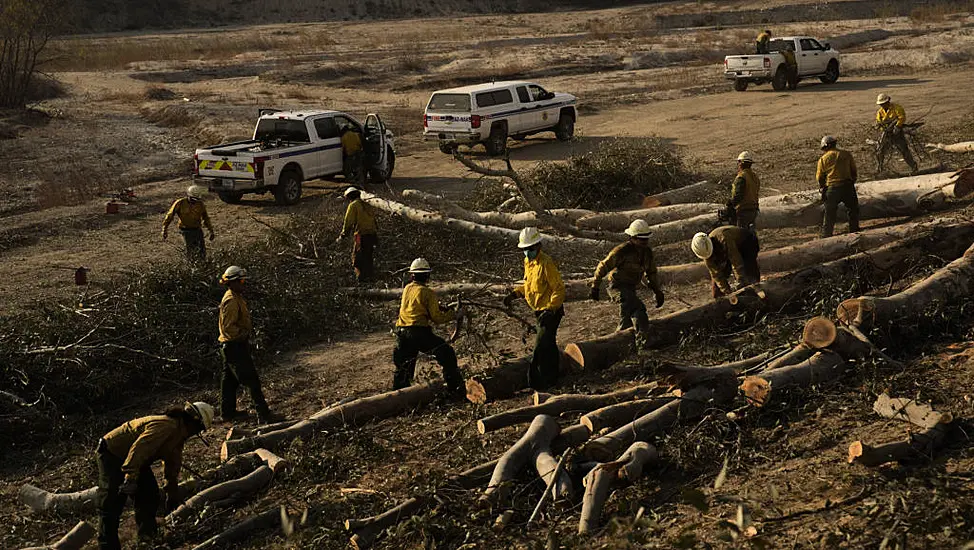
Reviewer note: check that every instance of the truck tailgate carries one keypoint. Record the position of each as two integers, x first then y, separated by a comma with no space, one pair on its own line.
738,63
213,166
448,122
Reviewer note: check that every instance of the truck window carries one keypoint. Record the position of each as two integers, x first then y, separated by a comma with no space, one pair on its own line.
523,95
537,92
807,44
270,129
815,44
497,97
342,122
450,103
327,128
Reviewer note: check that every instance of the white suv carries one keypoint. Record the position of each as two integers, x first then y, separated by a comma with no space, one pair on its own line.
490,113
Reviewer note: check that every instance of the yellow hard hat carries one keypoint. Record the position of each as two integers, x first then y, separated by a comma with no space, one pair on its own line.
196,191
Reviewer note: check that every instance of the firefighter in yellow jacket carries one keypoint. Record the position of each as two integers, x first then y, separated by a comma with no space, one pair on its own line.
625,266
836,175
728,248
360,219
544,291
743,204
419,310
762,44
891,117
191,211
125,456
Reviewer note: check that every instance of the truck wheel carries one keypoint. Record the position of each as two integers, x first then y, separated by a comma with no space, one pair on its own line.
565,129
230,197
447,148
831,73
740,85
382,176
780,80
288,190
496,143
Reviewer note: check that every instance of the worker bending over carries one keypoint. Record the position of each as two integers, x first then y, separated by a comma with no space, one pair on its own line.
360,219
191,211
728,248
836,175
891,117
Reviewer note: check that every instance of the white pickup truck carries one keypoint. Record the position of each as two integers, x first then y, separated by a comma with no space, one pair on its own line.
290,147
814,59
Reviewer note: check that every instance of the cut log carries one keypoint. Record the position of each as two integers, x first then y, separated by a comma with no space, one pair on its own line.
538,436
922,183
560,404
74,540
799,353
41,501
821,333
473,477
546,465
603,352
692,405
235,490
501,219
267,519
686,194
823,367
368,529
572,436
961,147
686,376
239,432
953,282
919,446
540,397
277,464
504,381
575,289
619,221
780,292
613,416
353,413
908,410
601,479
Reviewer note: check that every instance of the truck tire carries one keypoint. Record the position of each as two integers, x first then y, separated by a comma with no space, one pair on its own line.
740,85
496,143
780,80
382,176
448,148
288,189
831,73
565,129
230,197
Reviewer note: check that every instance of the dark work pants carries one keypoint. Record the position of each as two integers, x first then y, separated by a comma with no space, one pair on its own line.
195,244
749,253
353,167
410,342
846,194
546,360
111,502
899,140
363,256
747,217
632,310
239,369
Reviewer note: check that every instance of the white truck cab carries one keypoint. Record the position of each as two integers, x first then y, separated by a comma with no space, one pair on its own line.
490,113
290,147
812,57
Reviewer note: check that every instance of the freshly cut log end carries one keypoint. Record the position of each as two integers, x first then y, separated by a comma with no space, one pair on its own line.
500,383
855,312
756,390
819,333
856,450
274,462
603,352
540,397
369,529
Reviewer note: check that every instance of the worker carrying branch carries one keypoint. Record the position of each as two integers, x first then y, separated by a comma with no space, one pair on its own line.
728,248
625,266
360,219
419,310
191,211
837,175
890,117
544,291
125,456
742,208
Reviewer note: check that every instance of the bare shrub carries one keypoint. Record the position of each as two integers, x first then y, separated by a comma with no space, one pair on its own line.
26,27
158,93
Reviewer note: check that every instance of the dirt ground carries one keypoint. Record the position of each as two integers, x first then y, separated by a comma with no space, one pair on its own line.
632,80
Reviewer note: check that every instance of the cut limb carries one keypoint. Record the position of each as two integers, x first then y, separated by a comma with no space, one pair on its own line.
238,432
368,529
502,219
74,540
947,240
686,194
603,352
241,531
821,333
575,289
559,404
613,416
234,490
619,221
953,282
692,405
920,184
547,466
687,376
919,446
823,367
572,436
502,382
900,408
538,436
600,480
353,413
962,147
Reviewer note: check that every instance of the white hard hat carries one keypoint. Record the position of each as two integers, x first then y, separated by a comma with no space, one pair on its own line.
233,273
196,191
638,228
351,190
420,265
882,98
205,411
701,246
828,141
529,237
745,156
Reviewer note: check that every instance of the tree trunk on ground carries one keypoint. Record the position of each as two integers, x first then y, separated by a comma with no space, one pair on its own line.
572,436
546,465
511,221
962,147
619,221
539,436
502,382
368,529
953,282
824,366
559,404
267,519
575,289
686,376
603,352
599,481
781,291
919,446
234,490
239,432
692,405
613,416
681,195
76,538
353,413
922,183
821,333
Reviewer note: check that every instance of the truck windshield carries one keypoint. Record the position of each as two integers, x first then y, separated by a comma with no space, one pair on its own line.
271,129
450,103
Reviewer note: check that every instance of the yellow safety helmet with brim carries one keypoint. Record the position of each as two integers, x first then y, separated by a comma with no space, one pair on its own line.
529,237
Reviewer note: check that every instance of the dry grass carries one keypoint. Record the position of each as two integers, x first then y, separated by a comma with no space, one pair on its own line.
936,12
76,180
179,116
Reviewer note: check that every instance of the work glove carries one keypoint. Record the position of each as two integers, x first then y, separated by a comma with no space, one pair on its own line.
595,294
510,298
825,192
129,488
659,299
212,235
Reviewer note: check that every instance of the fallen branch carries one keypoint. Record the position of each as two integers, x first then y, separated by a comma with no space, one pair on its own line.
919,445
962,147
502,219
613,416
680,195
234,491
619,221
74,540
823,367
267,519
368,529
600,480
538,436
